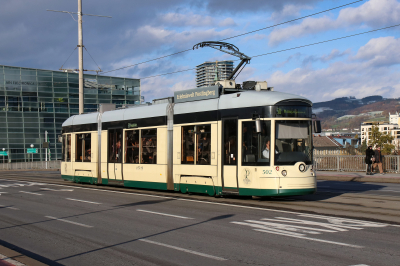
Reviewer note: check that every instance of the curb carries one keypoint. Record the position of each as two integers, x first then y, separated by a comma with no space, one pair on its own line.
19,258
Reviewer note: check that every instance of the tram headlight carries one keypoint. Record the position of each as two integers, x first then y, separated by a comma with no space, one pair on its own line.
284,173
302,167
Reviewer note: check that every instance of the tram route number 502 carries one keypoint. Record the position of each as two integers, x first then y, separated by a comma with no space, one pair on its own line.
267,172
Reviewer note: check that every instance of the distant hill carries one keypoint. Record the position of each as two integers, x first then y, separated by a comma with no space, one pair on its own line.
329,111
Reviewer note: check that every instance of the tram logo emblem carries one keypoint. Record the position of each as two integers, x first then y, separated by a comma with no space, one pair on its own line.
247,176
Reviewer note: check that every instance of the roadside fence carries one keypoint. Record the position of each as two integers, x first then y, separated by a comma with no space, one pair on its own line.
31,165
353,163
345,163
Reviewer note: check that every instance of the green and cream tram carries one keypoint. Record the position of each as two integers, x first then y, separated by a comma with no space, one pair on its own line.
225,139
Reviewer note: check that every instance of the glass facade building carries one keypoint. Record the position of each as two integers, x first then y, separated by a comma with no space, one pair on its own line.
33,101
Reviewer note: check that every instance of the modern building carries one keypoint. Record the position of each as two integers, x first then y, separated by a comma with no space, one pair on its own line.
394,118
209,72
391,129
33,101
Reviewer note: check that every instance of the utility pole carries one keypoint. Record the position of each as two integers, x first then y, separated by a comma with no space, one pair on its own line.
80,50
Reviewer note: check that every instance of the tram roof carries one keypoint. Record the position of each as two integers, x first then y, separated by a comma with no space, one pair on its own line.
240,99
81,119
147,111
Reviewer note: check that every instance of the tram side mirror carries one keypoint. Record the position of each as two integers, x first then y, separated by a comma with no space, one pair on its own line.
258,125
317,126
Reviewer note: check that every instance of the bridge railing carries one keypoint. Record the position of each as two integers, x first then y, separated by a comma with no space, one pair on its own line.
31,165
353,163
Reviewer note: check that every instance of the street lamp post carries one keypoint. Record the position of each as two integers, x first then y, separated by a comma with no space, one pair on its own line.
3,157
32,156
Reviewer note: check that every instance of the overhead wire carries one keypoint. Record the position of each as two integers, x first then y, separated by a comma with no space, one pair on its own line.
246,33
288,49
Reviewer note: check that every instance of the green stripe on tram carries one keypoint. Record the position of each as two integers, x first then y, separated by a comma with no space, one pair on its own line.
192,188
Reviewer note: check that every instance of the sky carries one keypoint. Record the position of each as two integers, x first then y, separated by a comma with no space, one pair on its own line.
360,66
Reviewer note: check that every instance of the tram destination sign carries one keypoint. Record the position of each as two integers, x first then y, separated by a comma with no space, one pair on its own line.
202,93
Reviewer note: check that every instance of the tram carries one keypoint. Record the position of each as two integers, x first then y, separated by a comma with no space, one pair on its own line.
227,139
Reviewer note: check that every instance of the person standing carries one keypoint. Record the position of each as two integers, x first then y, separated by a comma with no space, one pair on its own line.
378,160
369,154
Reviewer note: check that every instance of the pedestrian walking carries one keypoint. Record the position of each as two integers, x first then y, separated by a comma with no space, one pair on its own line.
369,157
378,160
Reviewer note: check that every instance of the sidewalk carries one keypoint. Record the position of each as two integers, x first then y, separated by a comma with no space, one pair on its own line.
358,177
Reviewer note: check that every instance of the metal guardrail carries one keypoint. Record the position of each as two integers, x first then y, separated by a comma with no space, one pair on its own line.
346,163
31,165
353,163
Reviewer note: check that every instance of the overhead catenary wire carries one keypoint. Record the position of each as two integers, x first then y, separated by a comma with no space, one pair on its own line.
92,58
239,35
288,49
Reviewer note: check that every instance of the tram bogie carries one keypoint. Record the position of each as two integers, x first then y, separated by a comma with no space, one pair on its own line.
208,140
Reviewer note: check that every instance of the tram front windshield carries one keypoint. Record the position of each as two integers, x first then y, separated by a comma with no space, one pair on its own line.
293,142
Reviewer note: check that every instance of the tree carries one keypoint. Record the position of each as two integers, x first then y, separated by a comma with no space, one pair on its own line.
381,139
363,147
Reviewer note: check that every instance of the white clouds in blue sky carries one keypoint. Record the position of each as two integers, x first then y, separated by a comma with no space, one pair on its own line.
142,30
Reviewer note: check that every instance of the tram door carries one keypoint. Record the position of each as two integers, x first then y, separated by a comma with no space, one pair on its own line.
230,155
115,141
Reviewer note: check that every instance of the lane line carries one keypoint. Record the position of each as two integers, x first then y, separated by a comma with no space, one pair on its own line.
309,238
184,250
31,193
174,198
165,214
91,202
12,208
45,188
63,220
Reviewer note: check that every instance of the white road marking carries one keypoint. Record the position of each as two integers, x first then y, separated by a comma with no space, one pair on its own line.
3,193
45,188
63,220
12,208
189,200
183,249
313,239
31,193
165,214
360,265
91,202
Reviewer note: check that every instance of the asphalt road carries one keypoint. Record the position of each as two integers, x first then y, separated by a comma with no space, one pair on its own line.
67,225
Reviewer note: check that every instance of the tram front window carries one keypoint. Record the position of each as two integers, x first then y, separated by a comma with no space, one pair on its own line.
254,143
293,141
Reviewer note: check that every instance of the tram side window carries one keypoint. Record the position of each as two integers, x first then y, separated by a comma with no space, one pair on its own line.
132,140
83,147
115,145
149,146
87,144
256,149
188,141
64,143
203,150
196,145
68,147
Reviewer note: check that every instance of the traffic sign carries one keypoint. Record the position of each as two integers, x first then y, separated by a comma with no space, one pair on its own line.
31,150
4,153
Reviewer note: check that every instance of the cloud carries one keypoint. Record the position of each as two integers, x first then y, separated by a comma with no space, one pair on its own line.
307,26
295,56
339,79
165,86
289,10
374,13
383,51
240,6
